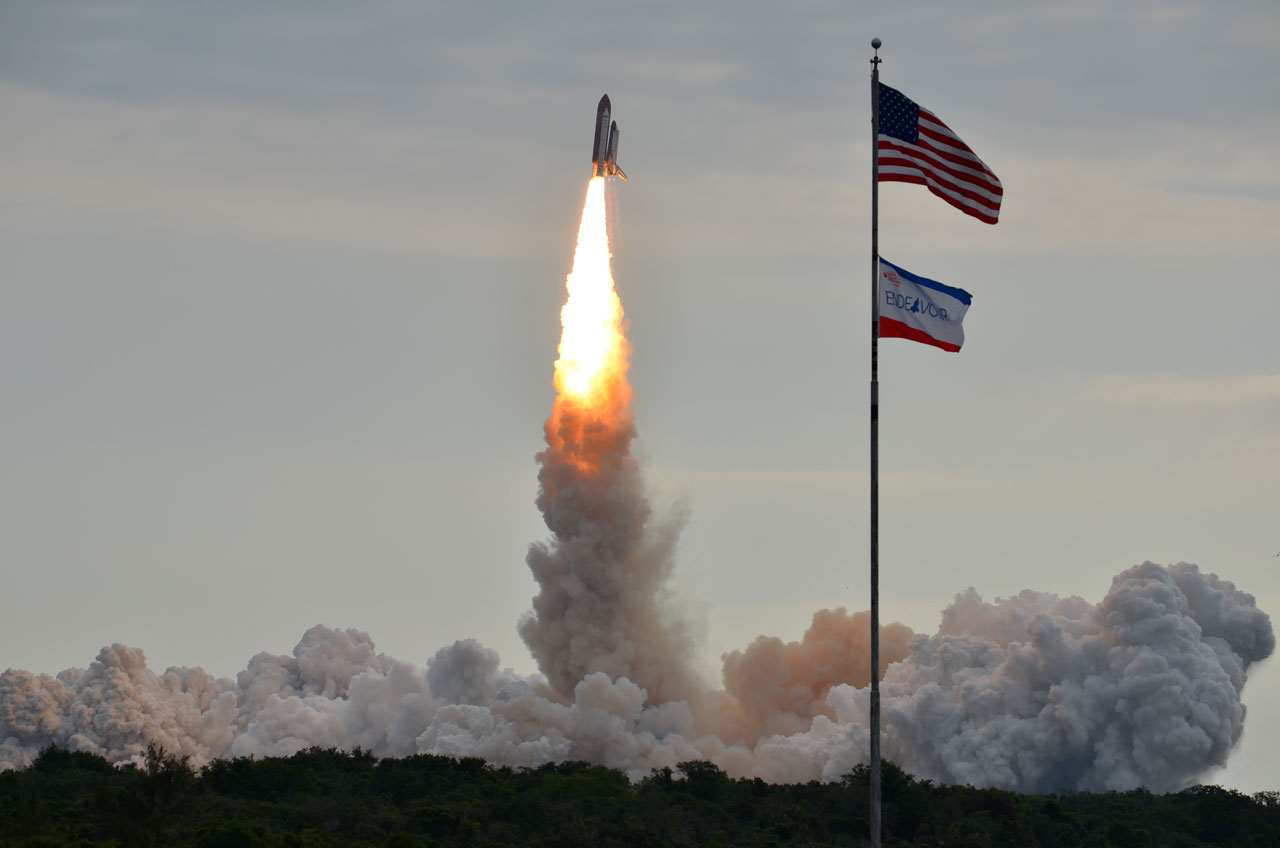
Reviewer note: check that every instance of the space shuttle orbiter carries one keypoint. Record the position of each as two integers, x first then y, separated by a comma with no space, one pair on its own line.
604,155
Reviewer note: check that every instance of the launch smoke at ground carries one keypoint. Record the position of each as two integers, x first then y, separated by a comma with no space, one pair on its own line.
1034,692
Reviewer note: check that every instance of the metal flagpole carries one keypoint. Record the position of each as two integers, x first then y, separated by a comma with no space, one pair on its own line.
875,444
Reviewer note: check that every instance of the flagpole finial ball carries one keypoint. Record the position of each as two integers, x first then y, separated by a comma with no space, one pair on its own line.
875,43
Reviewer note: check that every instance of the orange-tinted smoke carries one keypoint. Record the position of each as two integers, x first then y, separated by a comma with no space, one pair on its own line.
779,687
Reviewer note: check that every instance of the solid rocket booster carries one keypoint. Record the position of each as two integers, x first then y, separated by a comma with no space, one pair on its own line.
604,152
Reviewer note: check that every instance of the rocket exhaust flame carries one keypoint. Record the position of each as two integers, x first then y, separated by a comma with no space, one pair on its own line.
592,349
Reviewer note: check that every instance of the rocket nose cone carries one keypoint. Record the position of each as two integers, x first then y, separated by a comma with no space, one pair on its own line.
604,103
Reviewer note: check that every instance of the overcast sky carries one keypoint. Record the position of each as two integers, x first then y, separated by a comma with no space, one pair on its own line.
279,294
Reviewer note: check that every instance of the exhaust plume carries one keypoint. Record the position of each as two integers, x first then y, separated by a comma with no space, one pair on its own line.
1033,693
602,573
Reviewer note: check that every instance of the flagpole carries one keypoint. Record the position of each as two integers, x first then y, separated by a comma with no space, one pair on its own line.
875,445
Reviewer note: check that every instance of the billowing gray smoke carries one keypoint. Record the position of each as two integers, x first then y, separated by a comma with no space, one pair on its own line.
603,573
1032,693
1037,692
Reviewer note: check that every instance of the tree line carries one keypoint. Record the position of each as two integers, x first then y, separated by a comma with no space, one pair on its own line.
323,797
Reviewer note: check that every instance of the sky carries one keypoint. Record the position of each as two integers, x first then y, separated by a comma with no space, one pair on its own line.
281,287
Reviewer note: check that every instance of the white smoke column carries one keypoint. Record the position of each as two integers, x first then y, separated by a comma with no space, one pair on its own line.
603,574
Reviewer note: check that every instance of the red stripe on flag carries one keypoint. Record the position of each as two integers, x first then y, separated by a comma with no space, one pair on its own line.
893,159
891,329
926,159
972,167
943,135
969,207
894,152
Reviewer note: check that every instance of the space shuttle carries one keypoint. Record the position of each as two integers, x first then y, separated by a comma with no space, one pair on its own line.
604,155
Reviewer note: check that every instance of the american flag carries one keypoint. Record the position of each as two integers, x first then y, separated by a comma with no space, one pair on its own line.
917,147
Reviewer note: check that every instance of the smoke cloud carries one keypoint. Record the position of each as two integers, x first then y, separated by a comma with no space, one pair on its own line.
1032,693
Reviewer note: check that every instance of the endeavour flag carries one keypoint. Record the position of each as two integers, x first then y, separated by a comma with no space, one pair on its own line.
916,147
921,309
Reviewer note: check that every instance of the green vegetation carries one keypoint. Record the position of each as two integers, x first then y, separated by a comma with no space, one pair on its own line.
330,798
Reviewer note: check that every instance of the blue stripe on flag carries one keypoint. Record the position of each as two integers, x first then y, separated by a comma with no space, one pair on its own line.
951,291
